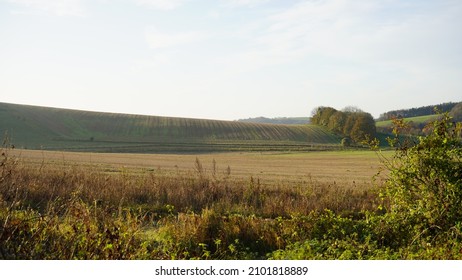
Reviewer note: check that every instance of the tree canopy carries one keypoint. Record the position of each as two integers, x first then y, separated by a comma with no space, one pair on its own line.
356,124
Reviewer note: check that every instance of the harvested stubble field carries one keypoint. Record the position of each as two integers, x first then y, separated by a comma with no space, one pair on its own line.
64,205
332,167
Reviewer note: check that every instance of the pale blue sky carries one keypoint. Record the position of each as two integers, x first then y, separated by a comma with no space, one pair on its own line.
230,59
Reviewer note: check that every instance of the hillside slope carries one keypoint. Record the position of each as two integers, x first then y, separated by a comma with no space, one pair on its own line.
51,128
417,112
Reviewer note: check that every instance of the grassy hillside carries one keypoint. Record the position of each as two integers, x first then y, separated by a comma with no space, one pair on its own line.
416,120
416,125
51,128
418,112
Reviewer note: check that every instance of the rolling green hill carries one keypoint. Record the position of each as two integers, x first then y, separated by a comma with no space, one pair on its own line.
419,111
36,127
421,120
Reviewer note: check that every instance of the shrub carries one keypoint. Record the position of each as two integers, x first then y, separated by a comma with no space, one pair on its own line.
423,192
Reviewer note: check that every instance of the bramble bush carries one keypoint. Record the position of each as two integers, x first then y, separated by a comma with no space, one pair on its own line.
423,192
424,188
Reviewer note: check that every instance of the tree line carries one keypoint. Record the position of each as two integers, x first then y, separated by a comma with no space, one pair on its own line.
352,123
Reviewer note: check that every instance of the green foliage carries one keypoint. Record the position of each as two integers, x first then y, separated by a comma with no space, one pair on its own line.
420,216
71,230
414,126
424,189
355,124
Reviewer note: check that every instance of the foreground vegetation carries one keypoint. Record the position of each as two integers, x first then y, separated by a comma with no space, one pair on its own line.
81,212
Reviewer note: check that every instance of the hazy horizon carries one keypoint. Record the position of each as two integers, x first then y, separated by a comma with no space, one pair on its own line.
230,59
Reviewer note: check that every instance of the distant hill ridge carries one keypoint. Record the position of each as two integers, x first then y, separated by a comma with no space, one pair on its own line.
417,112
281,120
53,128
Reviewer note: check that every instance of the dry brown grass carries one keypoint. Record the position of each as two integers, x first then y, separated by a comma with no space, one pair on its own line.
165,196
268,185
342,168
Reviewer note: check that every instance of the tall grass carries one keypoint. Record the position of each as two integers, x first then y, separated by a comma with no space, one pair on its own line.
72,211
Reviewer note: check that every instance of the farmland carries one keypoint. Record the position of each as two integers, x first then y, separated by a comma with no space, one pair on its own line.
268,203
35,127
421,120
316,205
342,167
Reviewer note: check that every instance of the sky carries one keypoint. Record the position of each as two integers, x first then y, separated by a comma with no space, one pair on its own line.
230,59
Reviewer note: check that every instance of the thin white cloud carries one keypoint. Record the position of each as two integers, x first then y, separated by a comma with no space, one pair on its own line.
161,4
49,7
361,32
328,28
162,40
